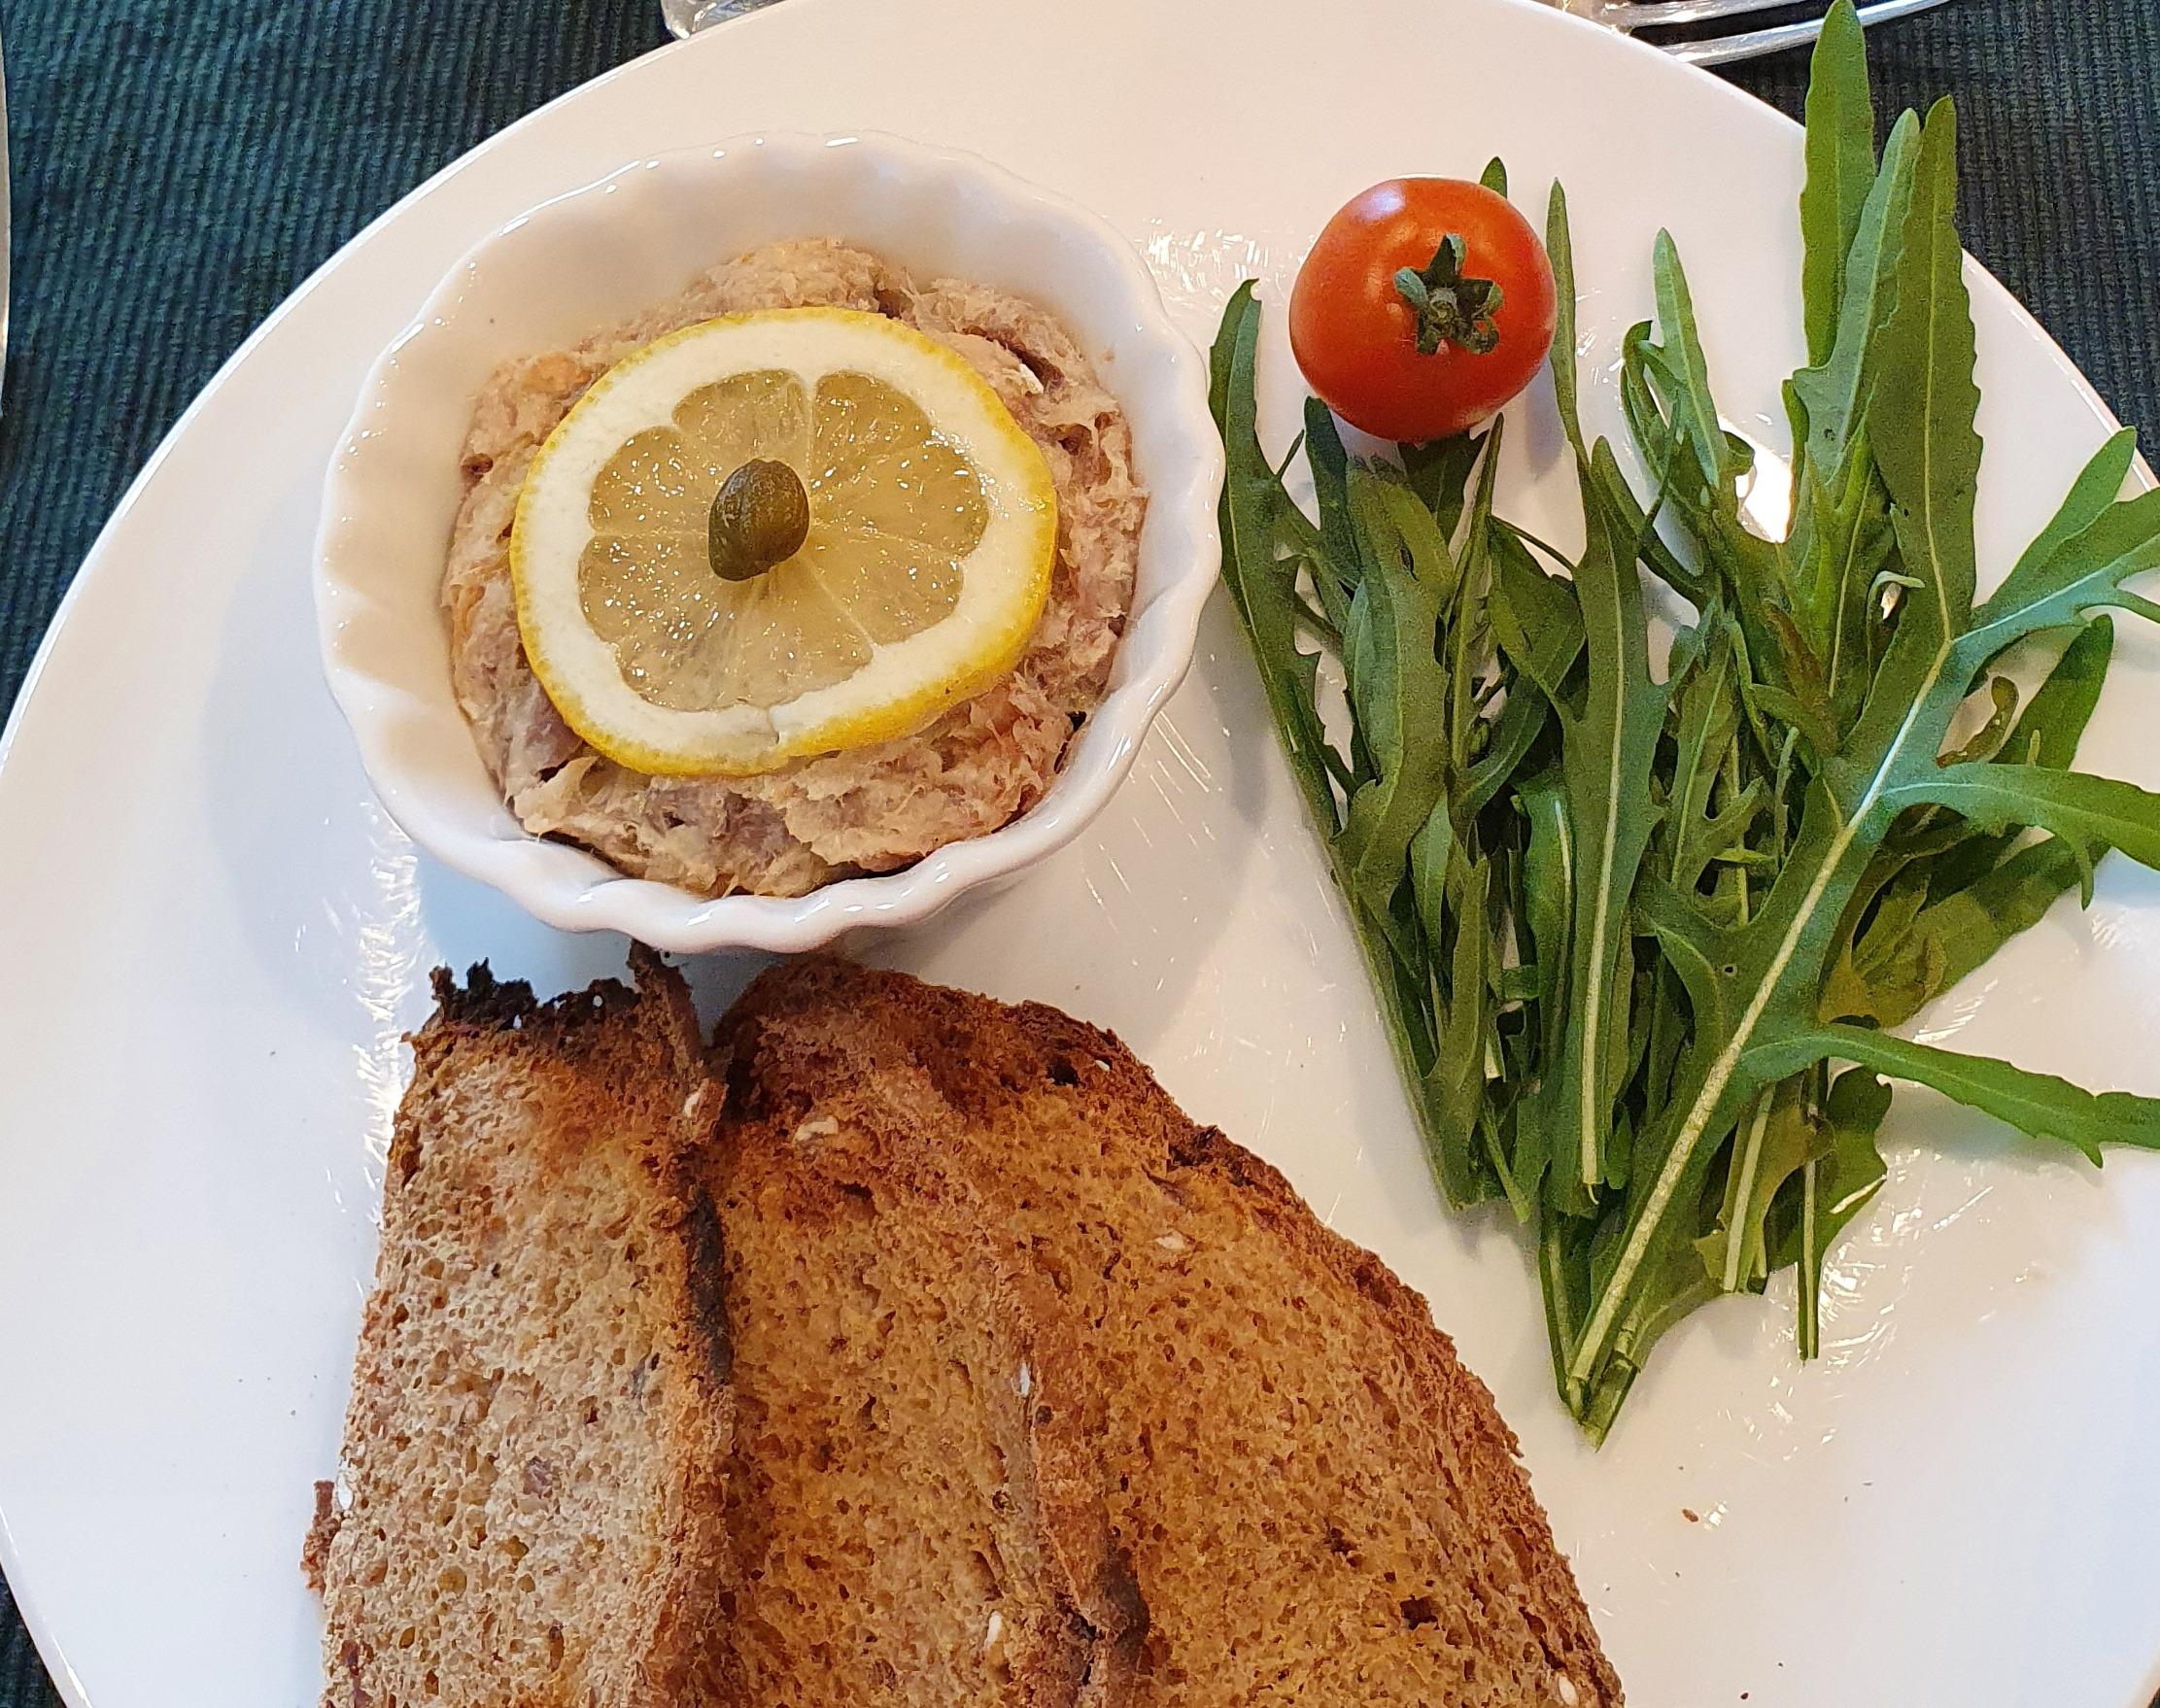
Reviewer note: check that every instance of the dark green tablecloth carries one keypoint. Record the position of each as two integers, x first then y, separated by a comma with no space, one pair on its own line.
179,165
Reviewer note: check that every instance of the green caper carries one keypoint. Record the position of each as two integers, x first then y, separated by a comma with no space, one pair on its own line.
760,517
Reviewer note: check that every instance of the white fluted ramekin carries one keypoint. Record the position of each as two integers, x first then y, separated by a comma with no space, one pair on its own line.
638,236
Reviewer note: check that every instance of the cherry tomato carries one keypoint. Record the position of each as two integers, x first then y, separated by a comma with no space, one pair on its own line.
1391,319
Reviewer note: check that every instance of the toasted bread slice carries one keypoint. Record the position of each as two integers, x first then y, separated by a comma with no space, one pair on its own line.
1319,1504
530,1495
914,1503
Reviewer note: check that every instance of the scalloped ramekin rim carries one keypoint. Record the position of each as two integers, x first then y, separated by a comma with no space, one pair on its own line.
574,889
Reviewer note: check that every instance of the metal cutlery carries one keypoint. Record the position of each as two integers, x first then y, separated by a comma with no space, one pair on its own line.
1737,37
686,18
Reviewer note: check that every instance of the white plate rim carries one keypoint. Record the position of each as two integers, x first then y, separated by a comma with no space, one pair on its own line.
99,561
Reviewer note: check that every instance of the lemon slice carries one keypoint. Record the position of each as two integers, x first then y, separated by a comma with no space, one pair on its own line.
930,529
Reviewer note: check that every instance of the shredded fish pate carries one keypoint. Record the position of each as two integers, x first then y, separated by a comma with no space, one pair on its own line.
835,815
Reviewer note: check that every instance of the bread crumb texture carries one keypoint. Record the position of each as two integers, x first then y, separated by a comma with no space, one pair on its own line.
907,1349
539,1418
1318,1503
908,1517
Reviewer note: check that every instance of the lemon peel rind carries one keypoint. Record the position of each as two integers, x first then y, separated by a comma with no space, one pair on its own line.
965,653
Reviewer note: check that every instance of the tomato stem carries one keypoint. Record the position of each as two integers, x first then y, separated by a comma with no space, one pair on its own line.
1449,308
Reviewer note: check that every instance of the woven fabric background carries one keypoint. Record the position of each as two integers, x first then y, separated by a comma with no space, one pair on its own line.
179,165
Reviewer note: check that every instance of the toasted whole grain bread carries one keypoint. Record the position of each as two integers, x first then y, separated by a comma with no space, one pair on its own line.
530,1503
1318,1503
915,1502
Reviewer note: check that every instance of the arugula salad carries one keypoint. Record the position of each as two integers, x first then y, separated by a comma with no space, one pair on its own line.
1641,929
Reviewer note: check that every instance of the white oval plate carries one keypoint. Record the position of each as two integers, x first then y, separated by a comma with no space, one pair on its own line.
212,937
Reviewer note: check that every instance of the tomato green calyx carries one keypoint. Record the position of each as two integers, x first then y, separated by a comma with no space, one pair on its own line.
1451,309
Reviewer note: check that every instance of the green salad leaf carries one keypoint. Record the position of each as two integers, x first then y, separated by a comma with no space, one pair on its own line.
1641,944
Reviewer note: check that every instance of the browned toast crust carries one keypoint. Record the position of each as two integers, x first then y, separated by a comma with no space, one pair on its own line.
1476,1604
539,1420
